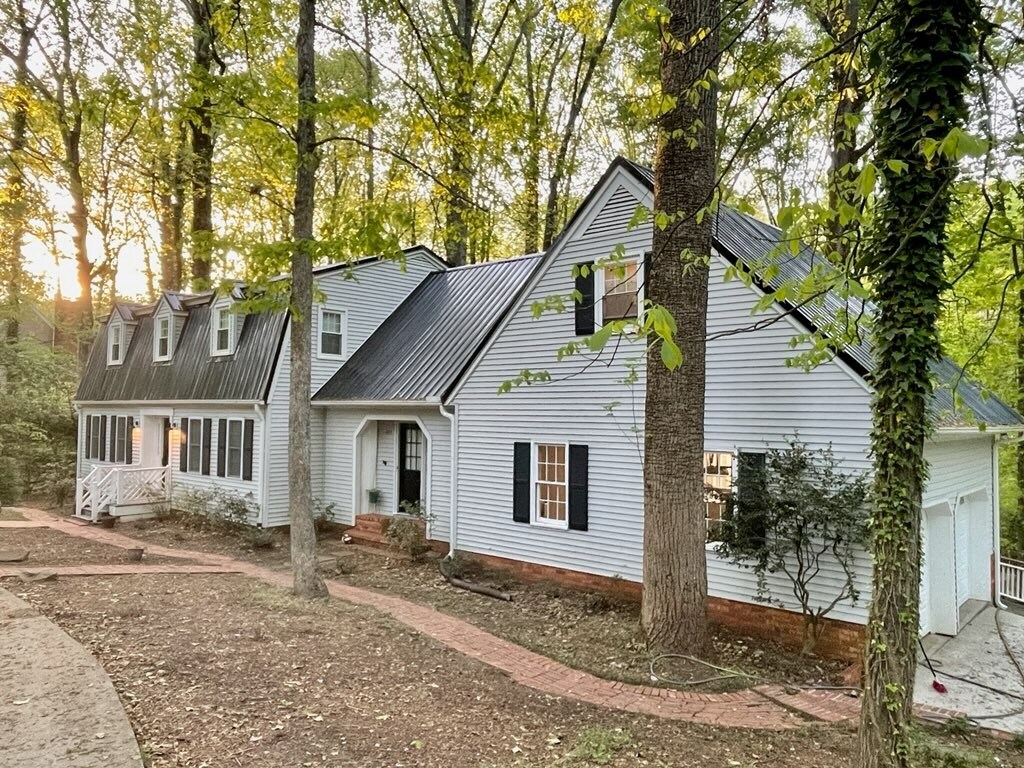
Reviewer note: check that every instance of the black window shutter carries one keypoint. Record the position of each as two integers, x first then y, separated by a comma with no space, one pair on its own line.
88,438
579,472
585,303
207,434
247,435
521,483
165,456
222,441
183,448
128,422
748,513
103,438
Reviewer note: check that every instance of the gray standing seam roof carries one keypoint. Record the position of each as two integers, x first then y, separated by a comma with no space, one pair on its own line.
192,373
419,352
956,401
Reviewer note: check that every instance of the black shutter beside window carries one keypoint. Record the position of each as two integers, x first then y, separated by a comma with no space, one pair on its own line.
103,438
128,424
183,447
88,438
207,435
222,444
247,449
579,471
585,302
521,483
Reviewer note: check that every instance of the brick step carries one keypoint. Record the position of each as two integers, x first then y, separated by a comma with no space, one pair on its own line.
372,523
368,538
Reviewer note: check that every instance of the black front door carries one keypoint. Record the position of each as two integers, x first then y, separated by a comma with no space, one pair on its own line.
410,464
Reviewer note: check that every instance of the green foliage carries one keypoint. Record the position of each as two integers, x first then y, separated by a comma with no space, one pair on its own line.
216,508
406,531
599,746
790,518
38,427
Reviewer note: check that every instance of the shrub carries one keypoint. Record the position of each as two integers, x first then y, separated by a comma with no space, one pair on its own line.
406,532
791,517
12,484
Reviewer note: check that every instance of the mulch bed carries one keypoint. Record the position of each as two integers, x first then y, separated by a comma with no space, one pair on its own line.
48,547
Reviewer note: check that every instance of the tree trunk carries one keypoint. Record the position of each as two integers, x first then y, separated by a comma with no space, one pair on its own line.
460,171
560,166
307,579
370,95
170,215
927,51
13,207
202,145
674,611
1017,529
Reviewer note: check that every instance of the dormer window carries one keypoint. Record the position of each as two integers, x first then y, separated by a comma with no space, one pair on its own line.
162,339
332,333
115,344
222,331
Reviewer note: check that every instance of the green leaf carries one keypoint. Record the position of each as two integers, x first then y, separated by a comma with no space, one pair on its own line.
671,355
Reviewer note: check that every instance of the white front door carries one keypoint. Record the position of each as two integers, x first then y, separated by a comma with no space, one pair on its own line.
154,449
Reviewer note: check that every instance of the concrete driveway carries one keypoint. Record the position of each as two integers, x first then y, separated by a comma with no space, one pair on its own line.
994,697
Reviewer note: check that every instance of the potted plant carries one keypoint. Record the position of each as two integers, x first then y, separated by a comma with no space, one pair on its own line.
373,495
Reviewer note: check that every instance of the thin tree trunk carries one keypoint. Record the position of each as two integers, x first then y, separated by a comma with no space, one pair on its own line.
307,579
460,172
170,216
202,145
370,95
559,168
927,52
13,207
674,611
1018,526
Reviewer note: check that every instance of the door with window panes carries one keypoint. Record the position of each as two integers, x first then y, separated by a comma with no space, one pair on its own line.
411,449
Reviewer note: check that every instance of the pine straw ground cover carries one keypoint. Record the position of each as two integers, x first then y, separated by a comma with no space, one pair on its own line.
220,670
583,630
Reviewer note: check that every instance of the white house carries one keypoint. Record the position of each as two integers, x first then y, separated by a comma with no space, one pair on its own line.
545,477
191,394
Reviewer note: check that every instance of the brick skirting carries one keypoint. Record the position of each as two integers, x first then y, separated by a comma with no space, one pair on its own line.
839,640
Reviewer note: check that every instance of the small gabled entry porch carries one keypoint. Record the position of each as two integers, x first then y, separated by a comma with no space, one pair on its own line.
140,483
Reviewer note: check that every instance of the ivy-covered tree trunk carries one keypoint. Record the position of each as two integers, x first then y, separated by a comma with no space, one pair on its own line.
307,579
927,53
674,611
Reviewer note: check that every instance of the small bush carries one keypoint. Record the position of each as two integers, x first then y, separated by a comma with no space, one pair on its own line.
216,509
259,538
12,484
407,533
599,745
926,752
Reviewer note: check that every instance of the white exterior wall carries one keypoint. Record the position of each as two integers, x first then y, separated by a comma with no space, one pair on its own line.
342,425
753,400
374,293
84,466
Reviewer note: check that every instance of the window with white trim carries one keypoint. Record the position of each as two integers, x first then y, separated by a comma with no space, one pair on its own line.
718,485
234,448
162,338
115,344
620,286
94,428
550,484
222,331
194,446
332,333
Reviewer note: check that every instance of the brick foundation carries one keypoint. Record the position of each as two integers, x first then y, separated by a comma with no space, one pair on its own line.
839,640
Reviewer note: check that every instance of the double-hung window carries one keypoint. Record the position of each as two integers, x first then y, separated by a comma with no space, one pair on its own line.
620,290
332,333
731,485
718,481
223,325
234,448
550,485
115,341
122,440
162,338
95,429
194,446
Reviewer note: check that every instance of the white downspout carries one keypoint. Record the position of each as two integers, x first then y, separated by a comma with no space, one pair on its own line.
996,528
261,413
453,477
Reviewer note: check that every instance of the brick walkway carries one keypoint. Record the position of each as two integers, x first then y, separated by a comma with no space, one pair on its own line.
760,707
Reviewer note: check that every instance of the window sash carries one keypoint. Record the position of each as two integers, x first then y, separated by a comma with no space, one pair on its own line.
120,447
222,335
233,467
551,484
621,290
115,344
331,333
163,337
93,449
719,475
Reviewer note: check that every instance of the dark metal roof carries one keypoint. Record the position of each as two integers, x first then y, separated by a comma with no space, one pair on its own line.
419,352
957,399
192,373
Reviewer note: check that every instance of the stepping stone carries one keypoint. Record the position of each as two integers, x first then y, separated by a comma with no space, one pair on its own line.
13,555
32,576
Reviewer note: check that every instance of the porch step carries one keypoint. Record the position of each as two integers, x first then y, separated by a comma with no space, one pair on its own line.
369,531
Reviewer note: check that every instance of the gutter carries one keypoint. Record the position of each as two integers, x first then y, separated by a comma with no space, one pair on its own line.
165,403
453,493
433,402
261,415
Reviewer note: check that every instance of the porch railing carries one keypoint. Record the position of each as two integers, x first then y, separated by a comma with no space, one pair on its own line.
1011,579
108,486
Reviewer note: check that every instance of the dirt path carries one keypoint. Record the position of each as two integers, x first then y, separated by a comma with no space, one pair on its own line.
57,706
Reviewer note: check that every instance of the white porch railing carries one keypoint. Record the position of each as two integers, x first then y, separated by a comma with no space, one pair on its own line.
108,486
1011,579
